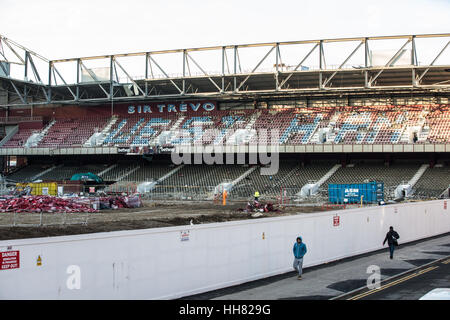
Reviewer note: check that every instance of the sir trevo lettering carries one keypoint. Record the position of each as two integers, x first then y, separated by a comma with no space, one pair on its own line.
172,107
9,260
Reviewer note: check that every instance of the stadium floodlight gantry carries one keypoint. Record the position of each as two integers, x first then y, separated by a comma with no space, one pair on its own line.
360,64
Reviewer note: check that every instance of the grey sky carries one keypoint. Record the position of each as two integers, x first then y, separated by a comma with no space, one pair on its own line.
63,29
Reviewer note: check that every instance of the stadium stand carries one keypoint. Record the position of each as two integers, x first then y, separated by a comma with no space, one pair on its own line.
349,125
383,124
19,139
438,125
148,172
71,132
66,171
121,169
433,182
204,175
25,174
366,171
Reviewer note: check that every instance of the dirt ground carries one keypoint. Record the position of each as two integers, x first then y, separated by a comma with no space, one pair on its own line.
151,215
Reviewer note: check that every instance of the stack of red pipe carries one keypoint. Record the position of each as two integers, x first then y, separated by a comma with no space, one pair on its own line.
43,204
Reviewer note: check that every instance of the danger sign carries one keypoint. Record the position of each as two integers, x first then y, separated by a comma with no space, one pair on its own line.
9,260
184,235
336,221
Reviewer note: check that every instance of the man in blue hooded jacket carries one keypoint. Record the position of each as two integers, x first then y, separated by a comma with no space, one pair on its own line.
299,251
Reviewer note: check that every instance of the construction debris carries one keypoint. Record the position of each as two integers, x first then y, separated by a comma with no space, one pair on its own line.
119,202
259,207
44,204
37,204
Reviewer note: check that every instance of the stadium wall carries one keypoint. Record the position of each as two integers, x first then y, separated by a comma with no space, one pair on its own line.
166,263
80,111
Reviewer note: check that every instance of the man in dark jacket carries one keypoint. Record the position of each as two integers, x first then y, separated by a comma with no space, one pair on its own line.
391,238
299,251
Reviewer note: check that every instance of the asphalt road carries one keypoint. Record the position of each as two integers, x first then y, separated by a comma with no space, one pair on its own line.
411,285
350,276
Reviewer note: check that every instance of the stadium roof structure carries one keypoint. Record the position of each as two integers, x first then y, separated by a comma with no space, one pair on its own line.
275,69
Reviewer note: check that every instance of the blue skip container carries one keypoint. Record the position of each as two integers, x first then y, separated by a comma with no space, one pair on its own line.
371,192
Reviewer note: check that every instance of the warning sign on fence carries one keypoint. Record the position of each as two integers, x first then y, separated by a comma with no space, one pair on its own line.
336,221
184,235
9,260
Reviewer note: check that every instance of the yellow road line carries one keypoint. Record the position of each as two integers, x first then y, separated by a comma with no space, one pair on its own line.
446,261
362,295
381,288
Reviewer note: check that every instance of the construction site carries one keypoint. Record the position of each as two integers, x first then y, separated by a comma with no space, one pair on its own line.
301,139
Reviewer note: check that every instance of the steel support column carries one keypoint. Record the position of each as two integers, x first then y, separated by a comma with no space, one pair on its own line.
366,63
77,98
320,63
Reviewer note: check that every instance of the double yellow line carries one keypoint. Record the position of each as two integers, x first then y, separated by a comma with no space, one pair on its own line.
393,283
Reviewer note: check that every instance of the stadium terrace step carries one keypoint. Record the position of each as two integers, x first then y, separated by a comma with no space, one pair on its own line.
111,167
45,172
8,137
408,187
311,189
133,169
98,137
433,183
418,174
168,175
66,171
241,177
31,172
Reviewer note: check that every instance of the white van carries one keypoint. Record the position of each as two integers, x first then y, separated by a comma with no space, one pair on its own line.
437,294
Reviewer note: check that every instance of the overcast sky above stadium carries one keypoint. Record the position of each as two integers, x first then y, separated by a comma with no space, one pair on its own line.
63,29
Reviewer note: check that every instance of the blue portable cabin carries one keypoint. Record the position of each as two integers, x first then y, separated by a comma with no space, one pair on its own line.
371,192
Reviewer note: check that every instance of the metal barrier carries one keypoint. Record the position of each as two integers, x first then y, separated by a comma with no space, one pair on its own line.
43,219
177,192
287,195
173,192
121,187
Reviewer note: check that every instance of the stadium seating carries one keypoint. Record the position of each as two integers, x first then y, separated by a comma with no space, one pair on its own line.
432,183
197,181
343,125
148,172
438,122
288,181
201,181
71,132
66,171
120,169
19,139
392,175
26,173
204,175
137,130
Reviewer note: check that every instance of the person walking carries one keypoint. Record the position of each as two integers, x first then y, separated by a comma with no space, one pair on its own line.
256,195
391,238
299,251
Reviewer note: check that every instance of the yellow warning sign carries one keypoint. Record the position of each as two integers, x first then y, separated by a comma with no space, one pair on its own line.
39,261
